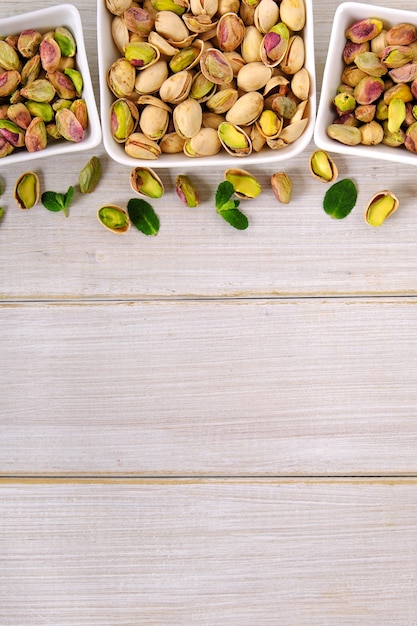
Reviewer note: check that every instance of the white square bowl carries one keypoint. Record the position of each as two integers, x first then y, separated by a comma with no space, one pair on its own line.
44,20
108,53
347,14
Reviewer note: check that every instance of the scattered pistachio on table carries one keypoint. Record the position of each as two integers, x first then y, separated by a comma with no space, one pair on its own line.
186,191
322,167
380,207
27,190
114,218
90,175
282,186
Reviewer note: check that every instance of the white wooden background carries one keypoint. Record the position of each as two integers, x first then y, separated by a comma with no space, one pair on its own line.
210,426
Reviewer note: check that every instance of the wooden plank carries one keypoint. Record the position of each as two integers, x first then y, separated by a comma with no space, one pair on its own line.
281,387
290,249
310,553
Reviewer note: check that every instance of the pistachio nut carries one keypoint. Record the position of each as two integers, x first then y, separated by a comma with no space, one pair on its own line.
31,70
19,114
28,42
201,88
322,167
234,139
266,16
205,143
187,118
230,32
63,84
269,124
348,135
90,175
216,67
245,184
370,63
138,20
176,6
405,74
396,114
364,30
251,45
293,14
186,191
12,133
139,146
114,218
120,34
118,7
204,7
162,44
145,182
200,24
170,26
27,190
399,90
6,148
253,76
246,109
410,139
352,50
50,54
79,108
365,112
282,187
176,87
68,126
171,143
187,57
76,78
300,84
9,58
401,34
9,81
369,89
150,79
393,140
121,78
396,56
141,54
284,106
124,117
380,207
222,101
294,56
274,44
66,41
36,137
153,122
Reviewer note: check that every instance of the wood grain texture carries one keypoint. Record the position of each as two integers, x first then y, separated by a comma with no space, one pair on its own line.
287,250
185,388
244,553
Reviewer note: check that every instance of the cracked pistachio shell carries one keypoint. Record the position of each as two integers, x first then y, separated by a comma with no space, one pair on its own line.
274,45
247,13
364,30
28,42
19,114
9,81
293,130
244,183
27,190
154,122
118,7
141,54
212,120
186,191
205,143
380,207
139,146
348,135
322,167
204,7
234,139
269,124
251,45
176,87
222,101
9,58
150,79
187,57
257,139
65,41
199,24
170,26
293,14
187,118
253,76
246,109
282,187
176,6
300,84
114,218
202,88
162,44
216,67
90,175
294,56
69,126
120,34
145,182
12,133
266,16
121,77
50,54
230,32
124,117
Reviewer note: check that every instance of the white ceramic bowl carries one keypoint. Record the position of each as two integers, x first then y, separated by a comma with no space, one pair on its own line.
108,53
345,15
44,20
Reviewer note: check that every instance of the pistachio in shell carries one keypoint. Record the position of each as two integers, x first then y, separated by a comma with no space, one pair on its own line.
380,207
205,143
141,54
244,183
154,122
176,87
293,14
230,32
274,45
139,146
234,139
187,118
121,77
27,190
124,117
246,109
114,218
145,182
322,167
216,67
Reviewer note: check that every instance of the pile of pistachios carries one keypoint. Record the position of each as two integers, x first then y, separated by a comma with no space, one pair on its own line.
376,101
40,91
199,76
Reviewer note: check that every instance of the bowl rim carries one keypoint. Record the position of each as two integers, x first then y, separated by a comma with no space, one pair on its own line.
45,18
354,11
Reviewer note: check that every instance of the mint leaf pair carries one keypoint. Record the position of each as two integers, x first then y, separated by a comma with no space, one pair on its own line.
228,208
56,202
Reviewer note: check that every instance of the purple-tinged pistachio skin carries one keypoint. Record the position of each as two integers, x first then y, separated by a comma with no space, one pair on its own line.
36,137
68,125
401,34
9,81
364,30
369,89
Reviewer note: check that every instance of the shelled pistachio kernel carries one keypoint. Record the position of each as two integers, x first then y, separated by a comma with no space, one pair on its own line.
27,190
186,191
380,207
282,187
114,218
322,167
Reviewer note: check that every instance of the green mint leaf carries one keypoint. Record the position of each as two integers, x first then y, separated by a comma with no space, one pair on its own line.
230,204
53,201
68,197
224,192
340,199
236,218
143,216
